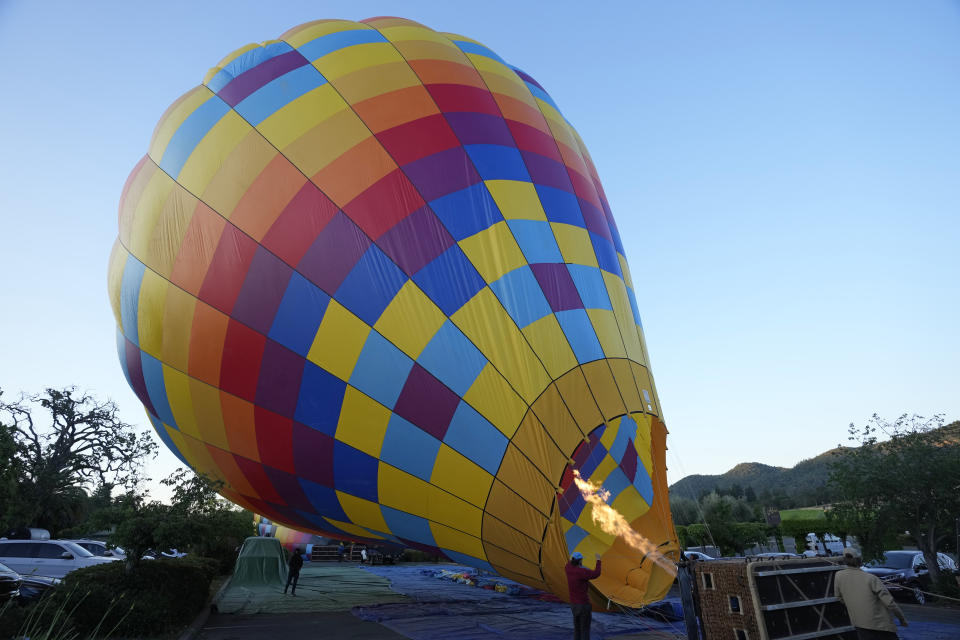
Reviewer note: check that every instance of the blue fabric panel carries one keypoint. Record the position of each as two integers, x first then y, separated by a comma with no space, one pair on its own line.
606,255
409,448
472,435
355,472
157,388
298,317
408,526
324,499
190,133
616,482
576,508
560,206
478,49
246,61
339,40
625,432
643,484
543,95
590,286
590,464
470,561
633,306
467,211
371,285
521,295
130,299
574,536
536,240
497,162
579,332
122,356
162,433
321,395
277,93
452,359
381,370
449,280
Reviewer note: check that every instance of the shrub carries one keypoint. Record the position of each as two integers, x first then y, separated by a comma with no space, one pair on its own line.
154,597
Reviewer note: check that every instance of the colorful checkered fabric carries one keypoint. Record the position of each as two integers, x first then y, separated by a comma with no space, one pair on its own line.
366,276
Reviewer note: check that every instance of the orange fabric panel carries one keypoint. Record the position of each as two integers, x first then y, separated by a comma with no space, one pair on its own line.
396,108
533,440
266,198
354,171
579,400
447,72
518,473
508,506
513,109
556,418
206,343
197,249
604,388
228,465
241,432
134,187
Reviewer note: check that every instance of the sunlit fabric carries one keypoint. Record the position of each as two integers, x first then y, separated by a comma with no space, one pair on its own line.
367,276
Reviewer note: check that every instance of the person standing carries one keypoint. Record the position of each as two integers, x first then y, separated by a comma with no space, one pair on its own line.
293,571
341,550
869,604
578,579
363,555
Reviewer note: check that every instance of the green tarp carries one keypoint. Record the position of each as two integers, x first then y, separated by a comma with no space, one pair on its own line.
261,563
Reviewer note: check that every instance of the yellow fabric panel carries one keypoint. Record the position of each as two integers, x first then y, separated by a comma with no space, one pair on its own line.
518,473
227,59
576,395
150,308
363,423
626,384
630,503
359,56
403,491
362,512
495,75
558,125
517,200
147,212
410,320
642,441
550,344
598,541
353,529
533,440
506,505
492,396
174,436
429,50
177,384
511,566
302,34
502,535
133,191
177,323
339,341
199,457
298,117
365,83
557,420
413,32
356,169
169,231
607,464
461,476
212,152
454,540
604,388
608,332
610,433
626,271
115,266
174,116
493,251
486,323
624,314
180,441
206,407
642,376
574,243
554,557
450,510
241,166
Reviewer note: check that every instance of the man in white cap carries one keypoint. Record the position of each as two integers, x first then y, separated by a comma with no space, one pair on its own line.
578,578
868,602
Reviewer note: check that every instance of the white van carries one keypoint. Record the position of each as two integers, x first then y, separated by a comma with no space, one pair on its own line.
51,558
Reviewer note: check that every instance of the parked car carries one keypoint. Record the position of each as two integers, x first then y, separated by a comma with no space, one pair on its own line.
53,558
697,555
905,572
778,555
98,548
9,584
35,587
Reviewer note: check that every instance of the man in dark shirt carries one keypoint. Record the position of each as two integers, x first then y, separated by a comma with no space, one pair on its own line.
293,571
578,578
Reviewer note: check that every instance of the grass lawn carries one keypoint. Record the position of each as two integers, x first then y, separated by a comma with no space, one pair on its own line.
800,514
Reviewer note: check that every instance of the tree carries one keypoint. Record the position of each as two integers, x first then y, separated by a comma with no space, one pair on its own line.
907,483
684,511
83,445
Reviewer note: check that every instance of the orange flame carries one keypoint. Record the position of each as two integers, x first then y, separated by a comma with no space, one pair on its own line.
612,521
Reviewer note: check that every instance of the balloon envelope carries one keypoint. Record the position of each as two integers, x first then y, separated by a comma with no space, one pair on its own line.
366,275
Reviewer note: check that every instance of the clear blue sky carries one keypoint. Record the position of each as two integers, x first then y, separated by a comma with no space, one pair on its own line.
785,176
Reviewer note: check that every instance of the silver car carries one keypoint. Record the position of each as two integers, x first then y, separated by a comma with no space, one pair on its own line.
51,558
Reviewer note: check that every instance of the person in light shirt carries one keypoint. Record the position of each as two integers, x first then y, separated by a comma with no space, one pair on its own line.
869,604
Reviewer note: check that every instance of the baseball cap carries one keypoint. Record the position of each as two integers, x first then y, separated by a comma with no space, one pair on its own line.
850,552
576,555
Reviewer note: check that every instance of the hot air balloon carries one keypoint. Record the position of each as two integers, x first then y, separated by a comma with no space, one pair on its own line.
366,275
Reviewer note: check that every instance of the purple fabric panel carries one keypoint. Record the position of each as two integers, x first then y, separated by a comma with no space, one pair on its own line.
313,455
546,171
426,402
557,285
480,128
135,372
262,291
288,487
278,386
594,219
249,81
334,253
629,462
527,78
415,240
442,173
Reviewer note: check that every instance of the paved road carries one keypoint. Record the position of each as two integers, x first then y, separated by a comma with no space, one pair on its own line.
334,625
